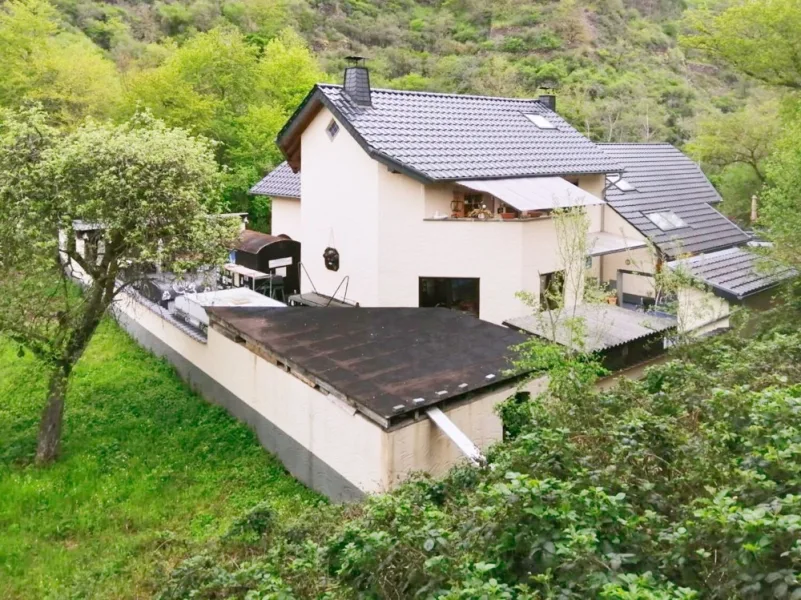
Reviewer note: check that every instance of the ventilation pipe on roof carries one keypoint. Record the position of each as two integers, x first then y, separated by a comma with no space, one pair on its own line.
549,101
357,81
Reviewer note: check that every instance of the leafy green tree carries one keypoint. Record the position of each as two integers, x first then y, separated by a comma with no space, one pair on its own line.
148,190
41,61
781,214
742,137
233,92
756,37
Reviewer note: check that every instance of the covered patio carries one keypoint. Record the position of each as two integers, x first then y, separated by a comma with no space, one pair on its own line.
620,335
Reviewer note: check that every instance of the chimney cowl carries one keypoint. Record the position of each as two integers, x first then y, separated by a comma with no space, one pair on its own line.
357,85
549,101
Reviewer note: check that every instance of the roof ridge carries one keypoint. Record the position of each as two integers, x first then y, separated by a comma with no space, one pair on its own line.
440,94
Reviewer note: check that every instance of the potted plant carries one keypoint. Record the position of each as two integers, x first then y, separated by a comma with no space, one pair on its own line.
507,212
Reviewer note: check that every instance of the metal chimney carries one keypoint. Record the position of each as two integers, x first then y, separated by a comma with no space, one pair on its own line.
357,81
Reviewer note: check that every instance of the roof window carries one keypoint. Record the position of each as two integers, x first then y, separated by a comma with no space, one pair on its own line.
333,129
540,121
666,221
621,184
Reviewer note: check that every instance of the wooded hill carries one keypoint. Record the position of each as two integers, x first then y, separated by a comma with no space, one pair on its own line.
615,64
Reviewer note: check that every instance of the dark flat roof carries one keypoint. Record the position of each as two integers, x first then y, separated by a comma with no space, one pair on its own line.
386,362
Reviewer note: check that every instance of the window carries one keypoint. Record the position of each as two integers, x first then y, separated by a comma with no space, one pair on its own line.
552,290
667,220
621,184
333,129
540,121
472,202
457,293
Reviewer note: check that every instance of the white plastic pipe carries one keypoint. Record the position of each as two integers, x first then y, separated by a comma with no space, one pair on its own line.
449,428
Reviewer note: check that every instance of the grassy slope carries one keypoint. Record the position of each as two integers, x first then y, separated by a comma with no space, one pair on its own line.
148,472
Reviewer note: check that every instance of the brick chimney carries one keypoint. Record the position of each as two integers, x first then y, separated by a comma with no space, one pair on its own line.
357,81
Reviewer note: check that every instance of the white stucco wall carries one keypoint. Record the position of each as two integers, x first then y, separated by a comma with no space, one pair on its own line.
421,446
339,188
369,457
285,217
700,311
376,219
345,440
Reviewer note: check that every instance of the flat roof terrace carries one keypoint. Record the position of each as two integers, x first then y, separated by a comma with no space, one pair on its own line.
388,363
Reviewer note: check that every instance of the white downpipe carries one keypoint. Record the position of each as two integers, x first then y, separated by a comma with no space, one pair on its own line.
449,428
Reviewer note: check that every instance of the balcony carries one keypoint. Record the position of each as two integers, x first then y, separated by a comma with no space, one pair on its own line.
520,199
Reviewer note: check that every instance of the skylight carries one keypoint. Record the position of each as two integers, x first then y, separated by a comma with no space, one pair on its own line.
621,184
667,220
540,121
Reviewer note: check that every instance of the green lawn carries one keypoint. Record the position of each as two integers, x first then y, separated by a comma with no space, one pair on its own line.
148,472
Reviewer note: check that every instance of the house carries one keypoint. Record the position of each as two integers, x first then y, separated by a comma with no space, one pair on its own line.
664,197
420,199
403,198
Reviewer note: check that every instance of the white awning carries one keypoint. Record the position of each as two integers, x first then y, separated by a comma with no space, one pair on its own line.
601,242
534,193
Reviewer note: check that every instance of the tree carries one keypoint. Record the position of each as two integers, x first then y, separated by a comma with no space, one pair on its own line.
148,190
781,213
41,61
757,37
743,137
220,86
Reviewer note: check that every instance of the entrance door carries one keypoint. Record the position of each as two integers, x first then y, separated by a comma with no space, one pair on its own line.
457,293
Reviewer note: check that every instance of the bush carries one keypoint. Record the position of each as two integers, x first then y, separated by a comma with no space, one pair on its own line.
682,485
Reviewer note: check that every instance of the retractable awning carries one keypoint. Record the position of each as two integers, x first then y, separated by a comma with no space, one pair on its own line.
534,193
600,243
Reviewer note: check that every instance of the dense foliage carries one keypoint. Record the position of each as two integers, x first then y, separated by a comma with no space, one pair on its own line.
149,473
682,485
147,193
235,69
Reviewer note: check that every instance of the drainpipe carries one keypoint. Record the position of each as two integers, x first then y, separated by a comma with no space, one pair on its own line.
458,437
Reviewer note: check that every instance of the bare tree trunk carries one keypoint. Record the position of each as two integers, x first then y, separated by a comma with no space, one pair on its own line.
52,417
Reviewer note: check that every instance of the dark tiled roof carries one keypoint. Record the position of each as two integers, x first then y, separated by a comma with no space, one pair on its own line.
387,362
667,180
735,273
447,137
281,182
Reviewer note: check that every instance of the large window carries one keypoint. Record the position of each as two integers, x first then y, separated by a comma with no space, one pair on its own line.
457,293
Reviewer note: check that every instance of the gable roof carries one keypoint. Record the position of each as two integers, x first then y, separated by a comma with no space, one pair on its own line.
447,137
388,363
667,180
281,182
735,273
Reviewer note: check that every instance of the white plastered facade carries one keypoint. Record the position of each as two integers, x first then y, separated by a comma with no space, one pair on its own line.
382,225
369,457
285,215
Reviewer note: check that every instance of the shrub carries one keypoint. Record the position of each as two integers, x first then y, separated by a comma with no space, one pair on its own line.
682,485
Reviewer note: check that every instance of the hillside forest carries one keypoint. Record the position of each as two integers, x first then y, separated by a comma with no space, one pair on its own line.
234,70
